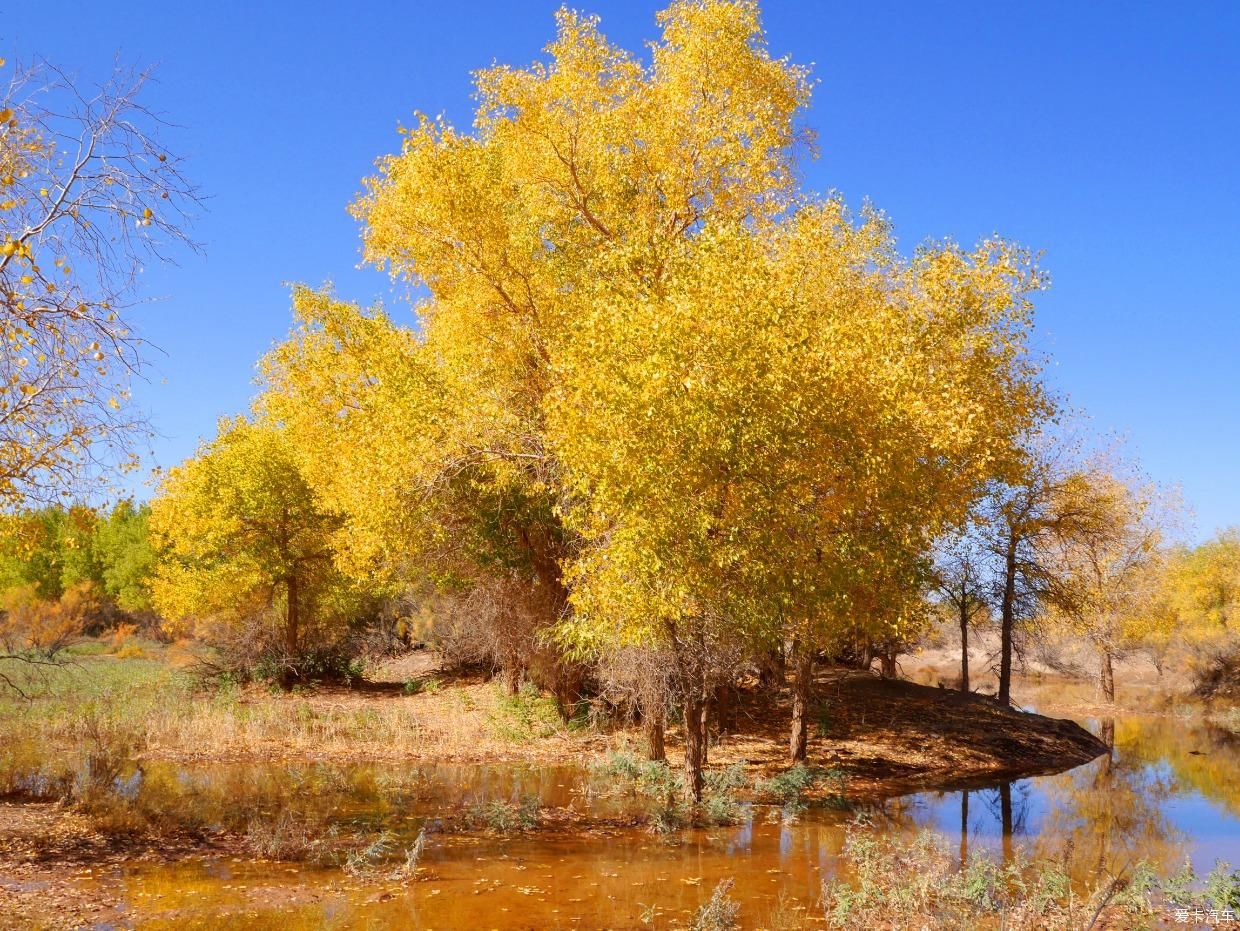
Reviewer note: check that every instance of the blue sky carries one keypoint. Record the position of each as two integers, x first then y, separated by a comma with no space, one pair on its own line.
1105,134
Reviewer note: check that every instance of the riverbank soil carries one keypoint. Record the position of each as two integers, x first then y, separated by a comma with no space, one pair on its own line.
886,737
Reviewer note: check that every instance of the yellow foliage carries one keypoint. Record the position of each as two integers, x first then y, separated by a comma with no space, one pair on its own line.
241,536
648,368
1109,562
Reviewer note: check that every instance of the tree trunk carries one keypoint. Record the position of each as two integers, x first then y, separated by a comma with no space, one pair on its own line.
1005,818
964,647
867,657
1108,677
802,696
1008,619
887,663
568,689
291,617
964,828
291,623
1107,736
695,745
512,677
706,706
655,748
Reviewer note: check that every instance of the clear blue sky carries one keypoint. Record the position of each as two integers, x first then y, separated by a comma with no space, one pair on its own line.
1106,134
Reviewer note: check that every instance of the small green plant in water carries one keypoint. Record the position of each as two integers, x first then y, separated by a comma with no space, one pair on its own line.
363,860
1220,889
504,817
720,913
722,808
726,780
620,763
890,878
408,869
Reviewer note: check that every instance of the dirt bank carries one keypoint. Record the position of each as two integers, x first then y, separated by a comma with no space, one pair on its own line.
889,737
886,737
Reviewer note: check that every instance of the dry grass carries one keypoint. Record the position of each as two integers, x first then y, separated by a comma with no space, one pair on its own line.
881,735
469,722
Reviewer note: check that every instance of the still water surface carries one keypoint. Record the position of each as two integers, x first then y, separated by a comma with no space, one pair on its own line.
1169,792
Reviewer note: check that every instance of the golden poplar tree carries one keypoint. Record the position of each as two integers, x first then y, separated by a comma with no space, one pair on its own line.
585,174
1109,564
243,540
685,403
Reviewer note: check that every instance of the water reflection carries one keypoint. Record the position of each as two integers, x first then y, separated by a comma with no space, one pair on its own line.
1154,797
1167,790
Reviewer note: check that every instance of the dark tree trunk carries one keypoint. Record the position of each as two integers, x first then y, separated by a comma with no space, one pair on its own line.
689,659
1005,817
867,657
568,689
1108,677
1008,618
706,708
1104,784
695,744
292,617
773,674
964,828
655,748
964,646
292,621
802,697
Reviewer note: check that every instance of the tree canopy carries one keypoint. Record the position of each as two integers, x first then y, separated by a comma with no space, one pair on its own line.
653,379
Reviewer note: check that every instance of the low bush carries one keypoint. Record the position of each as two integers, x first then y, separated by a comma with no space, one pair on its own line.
886,881
504,817
720,913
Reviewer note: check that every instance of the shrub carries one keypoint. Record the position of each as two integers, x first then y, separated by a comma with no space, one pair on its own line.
792,783
621,763
408,868
1215,667
725,780
254,651
890,879
720,913
504,817
29,623
287,837
362,860
721,808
